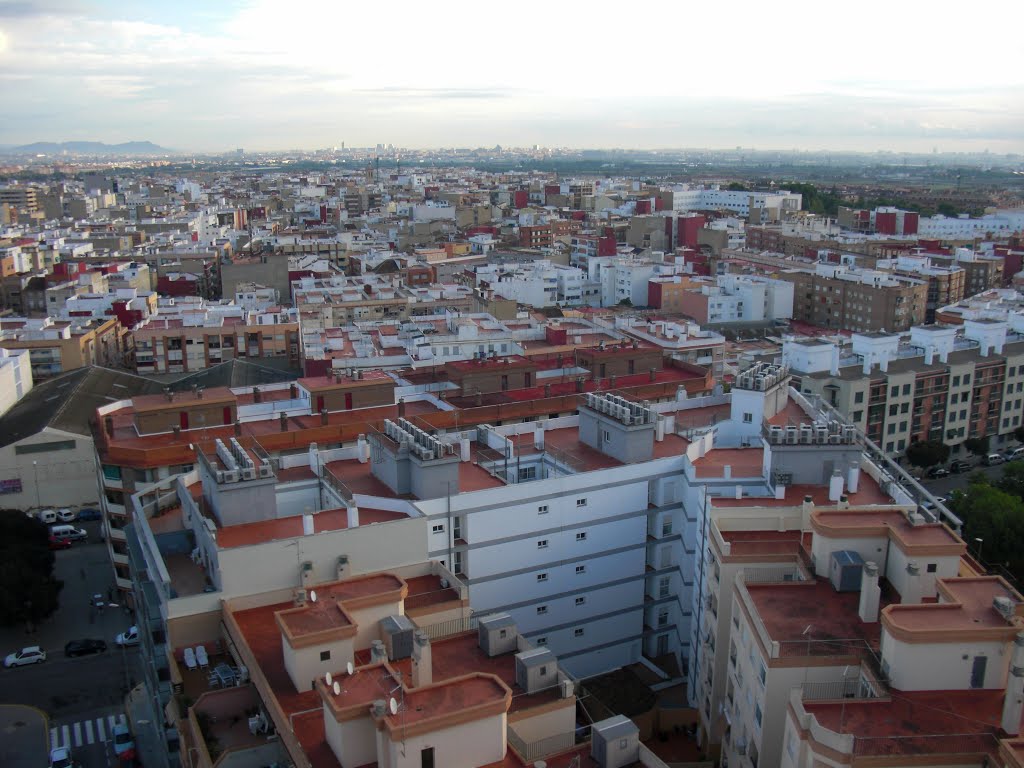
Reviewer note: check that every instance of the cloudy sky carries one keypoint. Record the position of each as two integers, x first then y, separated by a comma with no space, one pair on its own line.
214,75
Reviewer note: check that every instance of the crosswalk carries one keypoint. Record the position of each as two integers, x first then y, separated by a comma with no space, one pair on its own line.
94,731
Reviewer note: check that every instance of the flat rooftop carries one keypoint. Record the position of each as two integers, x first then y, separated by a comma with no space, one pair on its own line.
329,611
965,606
263,531
868,493
808,618
765,543
847,523
917,722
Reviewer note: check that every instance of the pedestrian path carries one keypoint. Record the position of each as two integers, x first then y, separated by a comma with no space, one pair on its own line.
82,732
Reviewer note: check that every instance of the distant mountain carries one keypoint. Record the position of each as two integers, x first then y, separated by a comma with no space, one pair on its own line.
87,148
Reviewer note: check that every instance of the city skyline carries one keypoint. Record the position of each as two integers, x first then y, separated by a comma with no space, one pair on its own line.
210,79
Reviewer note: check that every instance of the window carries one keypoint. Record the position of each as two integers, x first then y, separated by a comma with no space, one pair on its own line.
503,633
906,390
956,381
581,601
542,544
894,392
437,528
578,632
527,473
542,577
325,655
542,610
581,569
666,526
858,397
581,536
757,714
55,445
606,435
542,509
748,418
541,641
932,567
543,671
581,502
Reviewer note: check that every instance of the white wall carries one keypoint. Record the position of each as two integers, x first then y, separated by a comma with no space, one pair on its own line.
942,666
469,745
64,478
304,666
354,742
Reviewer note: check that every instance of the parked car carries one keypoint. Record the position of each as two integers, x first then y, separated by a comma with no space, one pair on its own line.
1013,455
88,513
69,532
959,466
59,543
123,741
84,647
131,637
993,459
66,515
33,654
61,758
936,472
46,516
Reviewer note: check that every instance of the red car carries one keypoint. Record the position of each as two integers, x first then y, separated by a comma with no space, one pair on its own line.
60,543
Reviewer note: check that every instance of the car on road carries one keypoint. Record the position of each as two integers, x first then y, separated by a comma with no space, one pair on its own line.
56,543
993,459
131,637
959,466
123,741
89,514
84,647
69,532
33,654
61,758
936,472
1014,454
66,515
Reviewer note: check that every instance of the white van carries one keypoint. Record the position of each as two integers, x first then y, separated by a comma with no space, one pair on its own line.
46,516
68,533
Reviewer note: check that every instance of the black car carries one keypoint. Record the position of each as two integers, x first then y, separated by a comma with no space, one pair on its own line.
89,514
84,647
959,466
937,472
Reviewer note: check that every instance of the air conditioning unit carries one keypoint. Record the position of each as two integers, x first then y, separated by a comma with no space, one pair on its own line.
266,470
231,476
249,473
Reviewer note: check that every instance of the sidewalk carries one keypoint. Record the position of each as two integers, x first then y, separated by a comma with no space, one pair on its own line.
149,734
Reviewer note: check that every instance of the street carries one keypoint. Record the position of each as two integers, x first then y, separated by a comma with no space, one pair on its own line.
946,485
84,696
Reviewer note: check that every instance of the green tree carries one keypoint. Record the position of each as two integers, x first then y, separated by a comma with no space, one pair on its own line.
735,186
1018,434
977,445
997,518
28,590
927,453
627,302
1012,481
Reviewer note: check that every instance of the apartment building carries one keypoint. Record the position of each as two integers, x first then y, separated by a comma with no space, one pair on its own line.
768,205
15,377
186,336
946,282
994,304
736,299
341,301
58,346
838,296
982,272
941,383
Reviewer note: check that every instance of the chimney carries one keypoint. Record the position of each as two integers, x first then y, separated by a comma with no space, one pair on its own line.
199,393
479,398
177,432
108,425
422,670
238,428
805,512
870,593
401,407
1013,701
293,392
911,594
308,528
378,653
611,381
652,374
257,396
284,422
547,390
834,365
853,477
353,515
323,417
579,384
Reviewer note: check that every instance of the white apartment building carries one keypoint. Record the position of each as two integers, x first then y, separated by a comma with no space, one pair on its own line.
685,198
963,227
15,377
748,299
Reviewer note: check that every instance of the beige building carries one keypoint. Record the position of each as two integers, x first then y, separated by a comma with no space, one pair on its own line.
58,346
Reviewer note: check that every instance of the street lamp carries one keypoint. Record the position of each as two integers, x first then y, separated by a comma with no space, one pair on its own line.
980,542
35,476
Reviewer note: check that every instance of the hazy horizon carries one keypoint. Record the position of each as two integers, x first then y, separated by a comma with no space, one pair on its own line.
201,78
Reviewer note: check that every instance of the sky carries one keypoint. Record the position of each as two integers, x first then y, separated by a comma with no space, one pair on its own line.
212,75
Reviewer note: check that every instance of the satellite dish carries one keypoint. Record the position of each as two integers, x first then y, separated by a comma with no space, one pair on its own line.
349,668
393,705
337,688
328,678
312,595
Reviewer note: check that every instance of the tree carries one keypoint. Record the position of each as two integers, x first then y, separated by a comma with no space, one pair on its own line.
735,186
997,518
627,302
927,453
977,445
28,590
1012,481
1018,434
